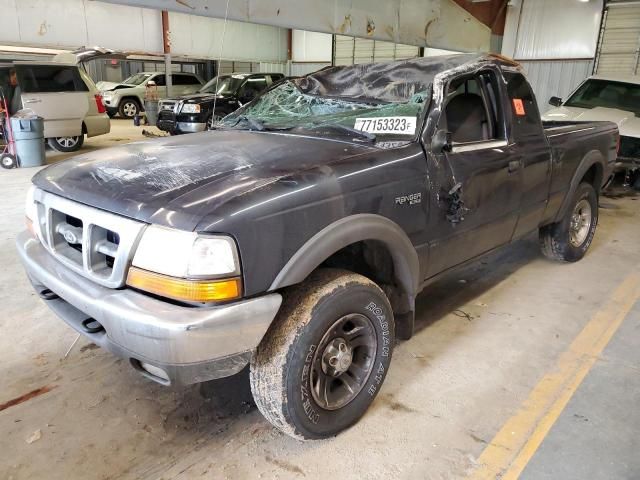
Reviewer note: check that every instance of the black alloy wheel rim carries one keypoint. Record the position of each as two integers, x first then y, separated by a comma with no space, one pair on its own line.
343,361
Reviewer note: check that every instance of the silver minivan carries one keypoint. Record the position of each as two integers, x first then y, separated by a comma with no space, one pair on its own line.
64,95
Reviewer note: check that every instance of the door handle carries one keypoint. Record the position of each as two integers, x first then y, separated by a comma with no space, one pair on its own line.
514,165
33,101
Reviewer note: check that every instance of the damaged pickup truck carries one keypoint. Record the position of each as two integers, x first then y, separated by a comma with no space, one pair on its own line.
296,236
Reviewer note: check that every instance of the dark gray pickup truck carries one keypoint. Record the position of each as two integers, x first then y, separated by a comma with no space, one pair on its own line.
296,237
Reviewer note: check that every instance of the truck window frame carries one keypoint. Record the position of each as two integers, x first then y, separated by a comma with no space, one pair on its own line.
493,108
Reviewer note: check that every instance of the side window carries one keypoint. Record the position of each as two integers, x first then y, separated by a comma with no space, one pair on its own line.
472,110
50,79
191,80
180,79
252,87
526,117
159,79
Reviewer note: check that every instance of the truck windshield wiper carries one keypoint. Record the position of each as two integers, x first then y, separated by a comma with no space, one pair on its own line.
258,125
359,133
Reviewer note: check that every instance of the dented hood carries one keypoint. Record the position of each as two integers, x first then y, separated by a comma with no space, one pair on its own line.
628,123
178,181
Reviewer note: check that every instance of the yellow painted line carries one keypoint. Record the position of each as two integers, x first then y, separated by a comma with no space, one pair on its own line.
508,453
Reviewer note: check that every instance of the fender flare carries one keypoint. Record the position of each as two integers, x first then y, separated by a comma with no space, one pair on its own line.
592,158
349,230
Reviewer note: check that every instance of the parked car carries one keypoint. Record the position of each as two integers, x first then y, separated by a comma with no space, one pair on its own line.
295,237
613,98
194,113
127,98
64,95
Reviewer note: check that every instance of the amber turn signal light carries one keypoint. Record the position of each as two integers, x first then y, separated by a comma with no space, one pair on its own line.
183,289
30,226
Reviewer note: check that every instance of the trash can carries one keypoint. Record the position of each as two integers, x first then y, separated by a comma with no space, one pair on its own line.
28,132
151,111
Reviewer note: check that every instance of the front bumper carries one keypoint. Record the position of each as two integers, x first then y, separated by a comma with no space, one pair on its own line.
188,344
168,122
624,163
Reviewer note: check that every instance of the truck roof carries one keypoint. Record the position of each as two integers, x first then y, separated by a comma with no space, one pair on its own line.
394,81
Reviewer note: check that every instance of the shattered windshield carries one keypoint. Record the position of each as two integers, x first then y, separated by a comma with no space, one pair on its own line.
136,79
226,84
286,107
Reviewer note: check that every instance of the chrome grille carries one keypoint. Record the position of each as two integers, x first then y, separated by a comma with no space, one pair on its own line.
94,243
170,105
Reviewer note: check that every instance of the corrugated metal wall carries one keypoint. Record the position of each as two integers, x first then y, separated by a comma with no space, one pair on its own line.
557,29
555,40
71,24
300,69
555,78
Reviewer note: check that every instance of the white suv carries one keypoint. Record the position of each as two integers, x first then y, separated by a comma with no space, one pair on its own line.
127,98
65,96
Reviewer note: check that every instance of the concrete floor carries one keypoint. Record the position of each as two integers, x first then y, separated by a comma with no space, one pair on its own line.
486,335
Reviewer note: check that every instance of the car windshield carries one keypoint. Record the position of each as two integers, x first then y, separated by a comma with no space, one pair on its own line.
137,79
285,107
223,84
609,94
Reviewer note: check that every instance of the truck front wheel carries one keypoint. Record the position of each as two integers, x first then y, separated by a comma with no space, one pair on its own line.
569,239
325,357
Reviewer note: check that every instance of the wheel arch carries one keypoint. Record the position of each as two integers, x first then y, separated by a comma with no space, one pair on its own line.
135,98
353,230
590,169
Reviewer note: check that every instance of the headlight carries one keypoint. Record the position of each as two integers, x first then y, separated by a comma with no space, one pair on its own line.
190,108
107,95
186,266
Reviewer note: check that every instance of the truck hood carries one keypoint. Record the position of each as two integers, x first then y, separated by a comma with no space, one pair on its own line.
105,86
628,123
202,97
177,181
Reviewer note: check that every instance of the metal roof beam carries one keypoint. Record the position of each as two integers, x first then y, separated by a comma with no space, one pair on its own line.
425,23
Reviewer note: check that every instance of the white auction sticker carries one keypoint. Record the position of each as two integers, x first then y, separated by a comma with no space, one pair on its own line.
392,125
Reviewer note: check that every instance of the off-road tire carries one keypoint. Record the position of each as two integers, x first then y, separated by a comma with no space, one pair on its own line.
280,367
61,145
555,238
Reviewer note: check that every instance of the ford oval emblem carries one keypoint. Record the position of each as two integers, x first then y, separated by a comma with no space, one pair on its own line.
70,237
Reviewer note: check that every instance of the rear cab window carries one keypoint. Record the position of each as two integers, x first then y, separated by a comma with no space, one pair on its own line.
50,79
525,116
254,84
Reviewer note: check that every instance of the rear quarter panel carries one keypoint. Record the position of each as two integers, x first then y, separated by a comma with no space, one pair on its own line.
572,145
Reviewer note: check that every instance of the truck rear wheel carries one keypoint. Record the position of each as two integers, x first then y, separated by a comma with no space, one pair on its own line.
569,239
325,357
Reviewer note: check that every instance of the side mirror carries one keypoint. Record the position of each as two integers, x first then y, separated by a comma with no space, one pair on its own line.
441,142
555,101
